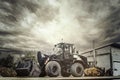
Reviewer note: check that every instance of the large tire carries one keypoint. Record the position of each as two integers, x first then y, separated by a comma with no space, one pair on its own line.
53,69
77,69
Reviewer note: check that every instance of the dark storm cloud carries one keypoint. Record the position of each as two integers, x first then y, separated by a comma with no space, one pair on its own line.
34,24
107,16
14,24
110,24
113,29
12,9
4,33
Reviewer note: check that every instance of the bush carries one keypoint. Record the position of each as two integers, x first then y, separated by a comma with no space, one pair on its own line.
7,62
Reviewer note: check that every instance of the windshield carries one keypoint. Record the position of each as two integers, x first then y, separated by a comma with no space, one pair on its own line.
66,48
58,49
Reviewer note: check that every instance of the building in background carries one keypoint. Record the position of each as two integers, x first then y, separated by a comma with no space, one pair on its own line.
107,56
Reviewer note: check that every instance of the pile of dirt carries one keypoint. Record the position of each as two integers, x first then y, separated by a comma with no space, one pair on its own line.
94,71
7,72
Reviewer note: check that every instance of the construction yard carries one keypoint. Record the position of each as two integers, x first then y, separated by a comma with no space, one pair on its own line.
28,69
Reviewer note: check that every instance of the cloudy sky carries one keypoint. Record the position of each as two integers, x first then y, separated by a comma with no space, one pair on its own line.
39,24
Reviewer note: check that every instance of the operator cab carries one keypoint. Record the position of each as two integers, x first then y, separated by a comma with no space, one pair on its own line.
64,49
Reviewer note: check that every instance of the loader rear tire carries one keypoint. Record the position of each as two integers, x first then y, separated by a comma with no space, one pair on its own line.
77,69
53,69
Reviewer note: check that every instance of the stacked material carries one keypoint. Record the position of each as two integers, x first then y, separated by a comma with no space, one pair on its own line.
94,71
28,67
7,72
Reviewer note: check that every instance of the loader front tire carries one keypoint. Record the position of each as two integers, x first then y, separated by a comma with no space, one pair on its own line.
53,69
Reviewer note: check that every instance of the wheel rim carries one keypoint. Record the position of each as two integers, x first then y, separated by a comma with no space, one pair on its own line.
78,70
54,69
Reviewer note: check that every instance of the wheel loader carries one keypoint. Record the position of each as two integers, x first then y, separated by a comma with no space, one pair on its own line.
64,61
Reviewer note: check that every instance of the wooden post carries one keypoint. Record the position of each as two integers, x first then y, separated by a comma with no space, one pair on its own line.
111,60
94,53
